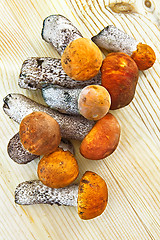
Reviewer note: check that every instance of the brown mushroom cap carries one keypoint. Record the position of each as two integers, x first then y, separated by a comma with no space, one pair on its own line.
58,169
39,133
92,196
81,59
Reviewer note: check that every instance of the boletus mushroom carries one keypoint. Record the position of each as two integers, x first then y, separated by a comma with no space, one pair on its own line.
17,106
90,197
113,39
93,101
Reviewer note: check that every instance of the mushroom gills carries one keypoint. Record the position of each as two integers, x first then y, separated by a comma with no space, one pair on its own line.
37,72
113,39
35,192
61,99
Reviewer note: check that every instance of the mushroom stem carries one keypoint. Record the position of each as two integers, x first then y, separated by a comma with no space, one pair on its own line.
35,192
59,31
114,39
39,71
17,106
62,99
20,155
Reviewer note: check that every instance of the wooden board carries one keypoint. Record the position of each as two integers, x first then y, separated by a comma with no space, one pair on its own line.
132,172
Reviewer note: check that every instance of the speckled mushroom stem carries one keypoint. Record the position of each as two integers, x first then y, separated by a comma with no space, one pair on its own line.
90,197
17,106
62,99
114,39
20,155
39,71
59,31
35,192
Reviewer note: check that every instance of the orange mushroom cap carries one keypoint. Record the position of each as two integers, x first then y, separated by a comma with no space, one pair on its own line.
102,140
144,56
92,196
81,59
58,169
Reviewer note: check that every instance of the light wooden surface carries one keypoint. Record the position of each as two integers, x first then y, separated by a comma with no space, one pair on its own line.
132,172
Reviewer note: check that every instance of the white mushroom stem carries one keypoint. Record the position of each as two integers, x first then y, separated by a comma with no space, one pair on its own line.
34,192
62,99
59,31
113,39
17,106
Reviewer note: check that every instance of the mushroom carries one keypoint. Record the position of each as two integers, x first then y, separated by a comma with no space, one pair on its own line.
113,39
119,76
39,133
37,72
93,101
102,140
81,59
58,169
59,31
20,155
90,197
17,106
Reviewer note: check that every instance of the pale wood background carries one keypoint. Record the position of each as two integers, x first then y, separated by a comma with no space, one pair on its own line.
132,172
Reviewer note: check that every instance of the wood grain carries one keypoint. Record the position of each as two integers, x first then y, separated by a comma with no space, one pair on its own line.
131,172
